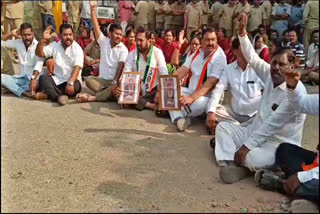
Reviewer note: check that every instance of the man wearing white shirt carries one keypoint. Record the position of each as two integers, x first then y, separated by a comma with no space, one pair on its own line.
204,68
150,62
113,56
30,64
300,166
277,120
246,92
68,62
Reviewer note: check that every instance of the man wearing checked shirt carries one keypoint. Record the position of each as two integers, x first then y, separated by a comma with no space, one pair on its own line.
277,121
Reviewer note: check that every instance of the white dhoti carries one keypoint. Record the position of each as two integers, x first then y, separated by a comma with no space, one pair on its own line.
197,108
225,113
230,137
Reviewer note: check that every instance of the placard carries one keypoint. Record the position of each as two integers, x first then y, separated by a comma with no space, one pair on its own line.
170,92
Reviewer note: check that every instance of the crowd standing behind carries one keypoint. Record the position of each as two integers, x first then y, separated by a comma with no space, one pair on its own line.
261,51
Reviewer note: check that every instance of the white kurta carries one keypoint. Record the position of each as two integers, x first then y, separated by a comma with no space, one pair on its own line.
216,67
277,121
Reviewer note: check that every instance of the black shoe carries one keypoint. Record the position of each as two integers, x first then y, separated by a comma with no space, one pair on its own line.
213,142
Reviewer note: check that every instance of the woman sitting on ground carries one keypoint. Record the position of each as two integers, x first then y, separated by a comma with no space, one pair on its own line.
84,39
91,60
130,42
261,49
171,48
229,53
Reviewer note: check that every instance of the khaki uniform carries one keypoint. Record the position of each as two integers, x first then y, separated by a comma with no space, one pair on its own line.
168,18
311,21
239,9
215,9
13,15
256,17
46,7
267,6
194,14
74,10
159,15
178,20
225,14
142,11
151,15
205,12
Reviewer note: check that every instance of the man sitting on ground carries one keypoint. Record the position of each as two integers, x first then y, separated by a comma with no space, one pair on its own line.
30,64
113,56
150,62
297,48
246,92
68,62
311,74
300,166
206,66
277,121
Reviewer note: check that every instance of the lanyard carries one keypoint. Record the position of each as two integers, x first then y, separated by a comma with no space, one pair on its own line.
148,64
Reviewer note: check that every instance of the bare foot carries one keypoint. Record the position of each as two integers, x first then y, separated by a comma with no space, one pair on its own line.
41,96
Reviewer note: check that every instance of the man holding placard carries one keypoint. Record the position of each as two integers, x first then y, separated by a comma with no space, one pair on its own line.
150,62
204,67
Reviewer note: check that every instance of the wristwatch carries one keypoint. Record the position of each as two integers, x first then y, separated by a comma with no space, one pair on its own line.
114,82
71,83
33,77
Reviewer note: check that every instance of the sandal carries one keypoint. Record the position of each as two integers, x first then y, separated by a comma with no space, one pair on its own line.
268,180
82,97
161,113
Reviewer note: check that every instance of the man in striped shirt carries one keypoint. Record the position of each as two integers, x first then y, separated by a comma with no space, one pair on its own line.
298,49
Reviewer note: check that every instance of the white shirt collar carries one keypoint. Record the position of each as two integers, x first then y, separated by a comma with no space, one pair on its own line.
283,86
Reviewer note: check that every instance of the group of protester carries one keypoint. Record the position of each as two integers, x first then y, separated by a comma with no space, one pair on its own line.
259,132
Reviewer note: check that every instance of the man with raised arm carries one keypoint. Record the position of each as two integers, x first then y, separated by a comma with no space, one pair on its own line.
113,54
203,70
254,147
300,166
68,62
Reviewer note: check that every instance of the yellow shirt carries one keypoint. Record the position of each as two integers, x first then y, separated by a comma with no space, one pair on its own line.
256,17
143,12
225,14
311,15
14,10
74,10
194,13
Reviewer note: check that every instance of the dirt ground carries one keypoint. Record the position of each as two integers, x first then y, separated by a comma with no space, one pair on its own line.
98,158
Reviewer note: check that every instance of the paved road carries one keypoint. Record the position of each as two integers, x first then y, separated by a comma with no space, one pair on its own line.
98,158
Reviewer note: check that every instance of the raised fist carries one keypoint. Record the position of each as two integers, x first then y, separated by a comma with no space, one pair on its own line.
292,78
47,33
93,4
15,33
242,23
